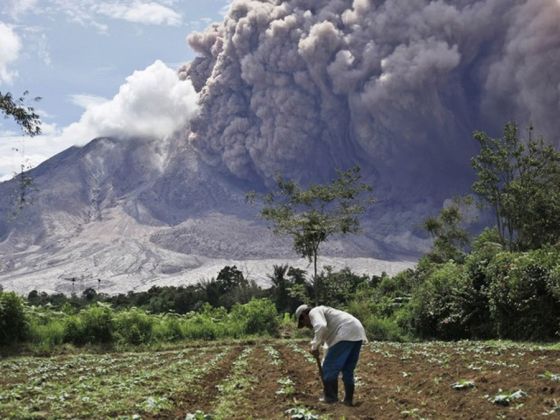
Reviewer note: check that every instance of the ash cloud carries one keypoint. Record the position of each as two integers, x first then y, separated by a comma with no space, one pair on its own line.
303,86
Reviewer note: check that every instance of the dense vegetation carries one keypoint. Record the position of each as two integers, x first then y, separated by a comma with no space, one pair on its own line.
505,283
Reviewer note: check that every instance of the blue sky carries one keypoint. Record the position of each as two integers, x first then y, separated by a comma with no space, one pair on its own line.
77,54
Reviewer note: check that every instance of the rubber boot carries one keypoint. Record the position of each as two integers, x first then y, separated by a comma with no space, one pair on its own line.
348,395
330,391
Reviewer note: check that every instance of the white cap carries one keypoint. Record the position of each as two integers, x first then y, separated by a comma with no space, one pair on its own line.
300,310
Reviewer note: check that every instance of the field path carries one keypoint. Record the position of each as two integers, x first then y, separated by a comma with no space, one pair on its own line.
267,398
201,395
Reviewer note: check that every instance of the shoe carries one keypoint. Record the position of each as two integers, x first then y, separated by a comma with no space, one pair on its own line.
348,395
330,392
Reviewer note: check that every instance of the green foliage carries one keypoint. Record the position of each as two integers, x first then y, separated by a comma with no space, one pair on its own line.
450,238
134,327
24,116
13,322
384,329
506,398
436,304
289,288
259,316
93,325
523,294
337,288
519,179
311,216
301,413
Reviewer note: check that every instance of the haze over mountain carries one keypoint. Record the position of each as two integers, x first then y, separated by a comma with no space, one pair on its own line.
297,87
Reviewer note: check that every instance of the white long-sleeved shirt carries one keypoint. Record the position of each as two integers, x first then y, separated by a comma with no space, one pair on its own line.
332,326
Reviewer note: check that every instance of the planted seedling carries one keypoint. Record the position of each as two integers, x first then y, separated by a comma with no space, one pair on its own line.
463,384
506,398
554,410
274,355
555,377
198,415
301,413
287,387
413,412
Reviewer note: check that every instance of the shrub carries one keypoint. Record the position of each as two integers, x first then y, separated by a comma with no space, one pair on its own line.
93,325
13,322
257,317
167,328
523,294
436,304
73,330
204,327
47,335
383,329
134,326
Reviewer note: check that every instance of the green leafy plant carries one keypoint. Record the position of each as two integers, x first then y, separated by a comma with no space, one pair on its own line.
463,384
506,398
287,387
198,415
301,413
555,377
13,322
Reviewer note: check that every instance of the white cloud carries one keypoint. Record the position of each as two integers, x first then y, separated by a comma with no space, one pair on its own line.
19,7
150,13
87,101
152,103
79,12
16,150
10,46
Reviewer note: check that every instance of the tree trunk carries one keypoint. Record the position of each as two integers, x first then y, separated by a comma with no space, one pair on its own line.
315,278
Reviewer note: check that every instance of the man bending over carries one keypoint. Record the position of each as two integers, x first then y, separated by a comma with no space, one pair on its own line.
344,336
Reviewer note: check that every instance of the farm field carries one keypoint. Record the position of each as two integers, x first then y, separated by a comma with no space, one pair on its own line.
278,379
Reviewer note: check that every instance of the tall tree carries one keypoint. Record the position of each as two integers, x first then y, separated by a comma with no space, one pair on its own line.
312,215
520,180
29,121
449,236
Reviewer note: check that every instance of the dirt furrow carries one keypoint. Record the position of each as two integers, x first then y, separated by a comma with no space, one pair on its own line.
267,398
203,392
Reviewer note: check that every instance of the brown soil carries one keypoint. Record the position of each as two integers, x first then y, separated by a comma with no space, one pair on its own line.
202,394
399,381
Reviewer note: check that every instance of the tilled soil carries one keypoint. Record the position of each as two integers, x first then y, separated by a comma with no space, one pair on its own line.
396,381
393,381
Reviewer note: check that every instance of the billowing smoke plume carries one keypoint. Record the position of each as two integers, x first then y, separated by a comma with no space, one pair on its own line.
304,86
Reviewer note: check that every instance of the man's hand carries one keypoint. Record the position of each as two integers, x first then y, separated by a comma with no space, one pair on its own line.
315,353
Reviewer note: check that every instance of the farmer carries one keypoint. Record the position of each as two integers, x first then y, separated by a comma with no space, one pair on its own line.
344,336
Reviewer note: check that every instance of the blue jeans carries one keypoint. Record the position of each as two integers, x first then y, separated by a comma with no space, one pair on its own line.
342,357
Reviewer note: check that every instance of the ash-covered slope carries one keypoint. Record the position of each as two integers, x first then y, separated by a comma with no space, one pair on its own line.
139,213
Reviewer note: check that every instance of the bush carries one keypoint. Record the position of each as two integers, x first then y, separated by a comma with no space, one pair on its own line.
384,329
13,322
167,328
98,324
47,335
523,294
92,325
259,316
134,327
437,304
204,327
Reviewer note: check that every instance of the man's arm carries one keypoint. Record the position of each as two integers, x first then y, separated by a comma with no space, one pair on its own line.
319,322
